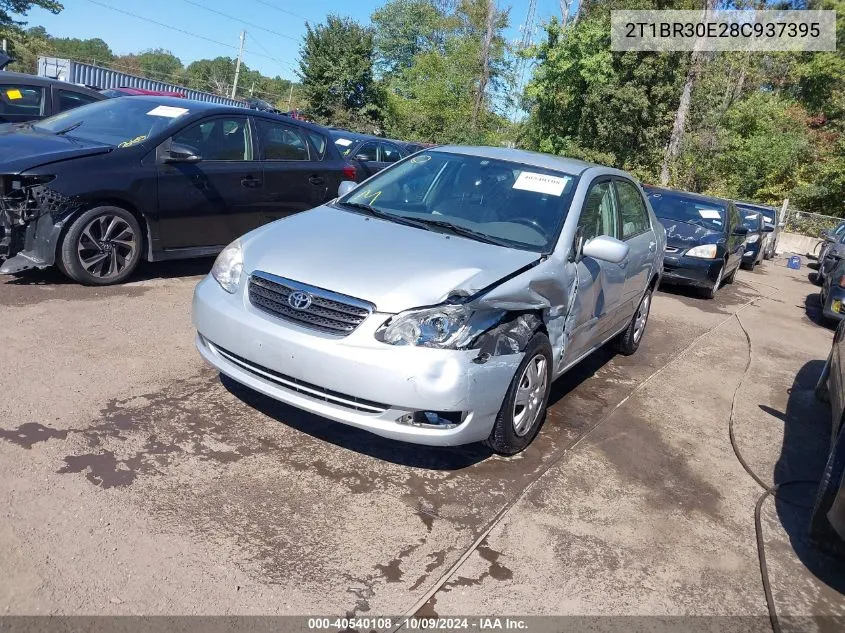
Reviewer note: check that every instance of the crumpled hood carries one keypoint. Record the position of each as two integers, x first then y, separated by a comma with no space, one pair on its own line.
396,267
684,235
22,148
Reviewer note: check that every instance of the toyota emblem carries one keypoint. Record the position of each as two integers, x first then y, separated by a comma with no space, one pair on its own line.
299,300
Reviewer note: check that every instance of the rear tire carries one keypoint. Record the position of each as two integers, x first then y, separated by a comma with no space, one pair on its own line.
629,341
102,247
524,408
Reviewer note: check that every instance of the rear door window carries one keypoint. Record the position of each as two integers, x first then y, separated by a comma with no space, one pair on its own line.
280,141
319,142
390,153
20,99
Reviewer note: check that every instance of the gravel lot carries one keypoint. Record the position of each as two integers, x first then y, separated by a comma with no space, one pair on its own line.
134,480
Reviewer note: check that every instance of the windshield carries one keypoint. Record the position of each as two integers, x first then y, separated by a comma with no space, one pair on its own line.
344,142
675,206
751,221
497,201
121,122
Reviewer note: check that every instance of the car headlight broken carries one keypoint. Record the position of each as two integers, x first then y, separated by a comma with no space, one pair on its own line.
444,327
229,266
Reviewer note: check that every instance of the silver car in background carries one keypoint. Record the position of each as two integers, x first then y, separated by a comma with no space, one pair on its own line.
436,302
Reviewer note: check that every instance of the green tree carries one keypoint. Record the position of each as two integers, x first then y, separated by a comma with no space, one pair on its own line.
90,51
11,8
404,28
336,69
161,65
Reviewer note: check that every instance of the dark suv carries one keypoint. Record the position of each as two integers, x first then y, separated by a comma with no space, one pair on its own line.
99,188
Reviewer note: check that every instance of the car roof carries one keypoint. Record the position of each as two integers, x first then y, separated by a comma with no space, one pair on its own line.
687,194
34,80
535,159
752,205
206,107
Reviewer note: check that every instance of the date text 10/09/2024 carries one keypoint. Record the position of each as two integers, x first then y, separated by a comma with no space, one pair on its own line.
418,624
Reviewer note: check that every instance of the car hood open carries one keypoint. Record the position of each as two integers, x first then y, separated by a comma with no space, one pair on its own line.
23,147
394,266
684,235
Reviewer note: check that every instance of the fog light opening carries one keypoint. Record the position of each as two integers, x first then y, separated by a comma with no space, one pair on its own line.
441,420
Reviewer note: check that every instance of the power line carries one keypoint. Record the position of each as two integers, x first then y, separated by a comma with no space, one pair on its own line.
237,19
178,30
279,9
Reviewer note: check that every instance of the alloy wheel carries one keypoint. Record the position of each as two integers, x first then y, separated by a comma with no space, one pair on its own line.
641,317
530,395
106,246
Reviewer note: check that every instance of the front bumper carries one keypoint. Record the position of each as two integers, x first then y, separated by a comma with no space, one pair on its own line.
691,271
752,252
355,379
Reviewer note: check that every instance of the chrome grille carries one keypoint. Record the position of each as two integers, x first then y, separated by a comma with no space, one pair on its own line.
327,311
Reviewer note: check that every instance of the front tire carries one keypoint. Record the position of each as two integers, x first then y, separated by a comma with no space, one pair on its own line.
101,247
629,341
524,408
710,293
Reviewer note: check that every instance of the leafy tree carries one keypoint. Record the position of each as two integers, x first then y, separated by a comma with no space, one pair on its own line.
10,8
161,65
89,51
336,69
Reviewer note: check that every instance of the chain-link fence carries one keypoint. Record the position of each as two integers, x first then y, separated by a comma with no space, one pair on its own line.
809,224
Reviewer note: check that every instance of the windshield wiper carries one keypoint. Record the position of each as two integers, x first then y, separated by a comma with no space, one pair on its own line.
463,231
69,128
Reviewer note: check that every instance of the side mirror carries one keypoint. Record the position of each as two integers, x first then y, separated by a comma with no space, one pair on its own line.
606,248
823,234
181,154
365,158
345,187
768,228
741,230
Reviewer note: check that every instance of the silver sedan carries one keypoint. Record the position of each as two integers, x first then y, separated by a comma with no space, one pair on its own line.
436,302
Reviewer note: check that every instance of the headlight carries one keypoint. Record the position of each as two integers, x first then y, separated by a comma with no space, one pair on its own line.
228,267
449,326
705,251
753,238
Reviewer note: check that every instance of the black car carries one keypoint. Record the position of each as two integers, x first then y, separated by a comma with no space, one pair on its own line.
29,98
770,217
755,240
96,189
371,154
705,238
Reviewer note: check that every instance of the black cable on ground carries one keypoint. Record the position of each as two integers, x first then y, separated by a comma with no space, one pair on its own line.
767,492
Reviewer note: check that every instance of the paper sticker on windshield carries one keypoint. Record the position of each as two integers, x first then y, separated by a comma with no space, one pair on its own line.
14,93
710,214
541,183
751,217
167,111
345,142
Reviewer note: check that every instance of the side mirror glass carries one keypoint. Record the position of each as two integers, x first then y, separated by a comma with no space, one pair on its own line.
606,248
345,187
181,154
741,230
768,228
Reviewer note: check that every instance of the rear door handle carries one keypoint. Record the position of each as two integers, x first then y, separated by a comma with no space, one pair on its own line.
316,180
251,181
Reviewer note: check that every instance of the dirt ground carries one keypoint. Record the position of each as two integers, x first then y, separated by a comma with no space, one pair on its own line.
135,480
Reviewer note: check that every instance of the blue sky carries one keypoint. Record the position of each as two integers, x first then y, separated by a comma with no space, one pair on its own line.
272,49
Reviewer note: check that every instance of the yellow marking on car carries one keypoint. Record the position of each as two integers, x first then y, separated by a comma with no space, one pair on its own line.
134,141
14,93
836,306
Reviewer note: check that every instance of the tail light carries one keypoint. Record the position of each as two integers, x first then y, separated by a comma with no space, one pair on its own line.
842,281
349,173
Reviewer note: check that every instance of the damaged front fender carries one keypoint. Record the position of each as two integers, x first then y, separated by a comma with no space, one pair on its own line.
31,218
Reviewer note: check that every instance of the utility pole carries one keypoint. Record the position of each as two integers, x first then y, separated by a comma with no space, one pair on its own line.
290,96
252,89
238,64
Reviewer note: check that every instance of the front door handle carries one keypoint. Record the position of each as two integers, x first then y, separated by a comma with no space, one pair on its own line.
651,245
316,180
251,181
